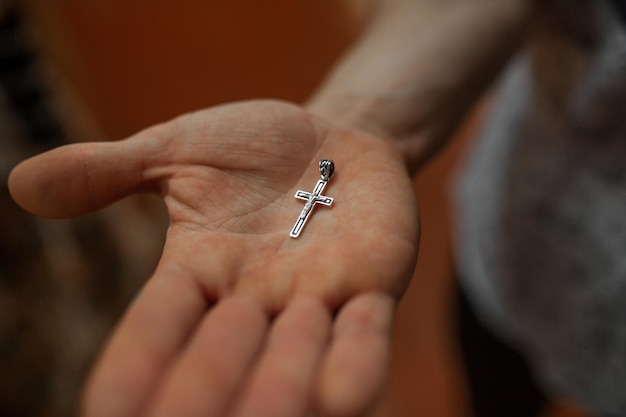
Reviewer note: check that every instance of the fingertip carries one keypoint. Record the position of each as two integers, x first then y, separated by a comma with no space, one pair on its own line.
34,184
13,183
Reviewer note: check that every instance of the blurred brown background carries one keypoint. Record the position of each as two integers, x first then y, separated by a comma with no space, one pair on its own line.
117,66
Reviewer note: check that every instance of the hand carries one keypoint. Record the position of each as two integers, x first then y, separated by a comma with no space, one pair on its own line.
239,319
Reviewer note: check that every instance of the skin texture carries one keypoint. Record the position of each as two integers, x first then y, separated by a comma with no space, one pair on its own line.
236,308
239,319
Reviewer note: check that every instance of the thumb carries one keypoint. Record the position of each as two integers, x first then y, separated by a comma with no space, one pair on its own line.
77,179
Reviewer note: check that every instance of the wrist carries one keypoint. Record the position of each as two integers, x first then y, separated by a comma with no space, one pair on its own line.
405,125
349,111
419,68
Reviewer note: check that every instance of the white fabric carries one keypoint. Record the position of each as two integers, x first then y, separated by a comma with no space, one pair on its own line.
541,206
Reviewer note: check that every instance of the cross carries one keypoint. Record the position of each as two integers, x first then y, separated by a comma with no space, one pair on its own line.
327,168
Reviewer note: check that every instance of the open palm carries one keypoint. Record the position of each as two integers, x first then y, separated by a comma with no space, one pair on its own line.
240,319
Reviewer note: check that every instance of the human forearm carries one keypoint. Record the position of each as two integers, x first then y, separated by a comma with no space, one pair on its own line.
419,66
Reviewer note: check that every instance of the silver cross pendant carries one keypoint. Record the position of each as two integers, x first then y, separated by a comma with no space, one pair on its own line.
327,169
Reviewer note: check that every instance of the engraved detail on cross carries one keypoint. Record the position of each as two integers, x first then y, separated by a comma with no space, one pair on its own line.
327,169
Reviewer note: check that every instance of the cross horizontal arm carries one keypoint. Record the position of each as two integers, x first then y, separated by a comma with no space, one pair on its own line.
303,195
327,201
